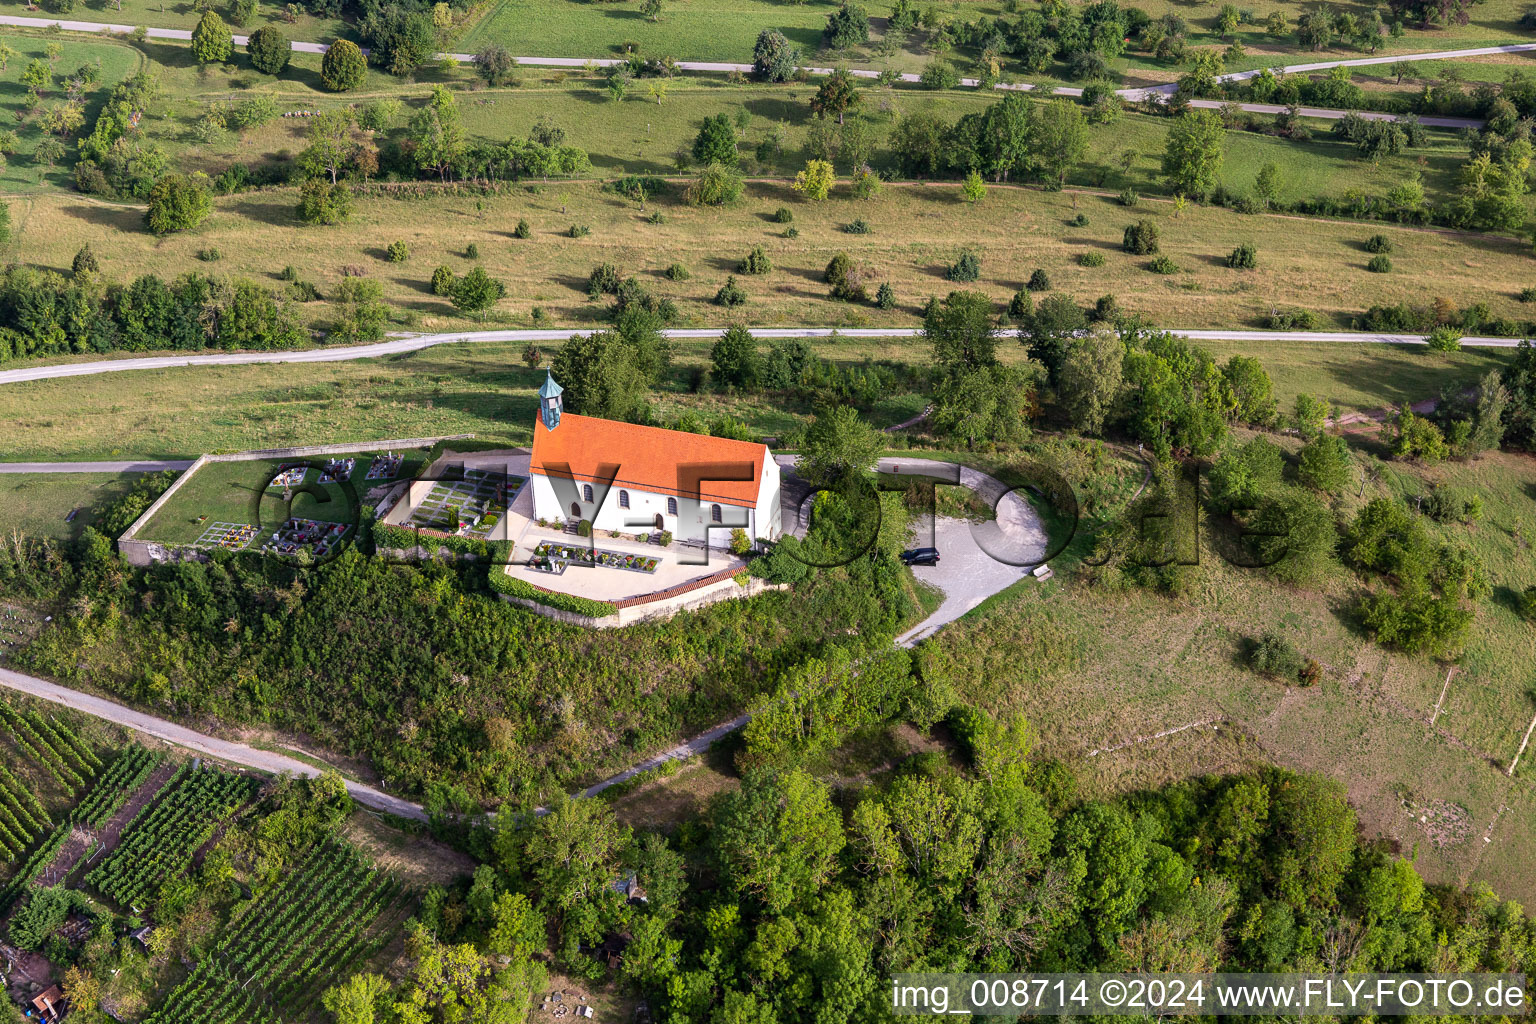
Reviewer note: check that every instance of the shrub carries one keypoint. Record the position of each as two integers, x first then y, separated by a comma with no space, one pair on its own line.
730,293
656,217
398,252
1244,257
678,272
791,232
1020,306
212,41
522,230
1444,339
85,261
1379,264
584,528
578,231
740,542
755,262
209,255
1163,265
177,202
1294,320
939,74
1129,197
442,281
471,251
1141,238
343,68
1527,295
1090,259
858,227
1378,243
604,280
716,185
885,298
1528,604
783,215
1080,221
1274,655
966,268
1039,281
1106,309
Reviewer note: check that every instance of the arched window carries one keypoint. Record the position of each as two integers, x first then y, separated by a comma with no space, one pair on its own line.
623,499
586,492
671,506
714,514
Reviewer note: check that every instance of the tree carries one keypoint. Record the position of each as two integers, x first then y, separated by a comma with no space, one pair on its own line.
838,446
847,26
1193,156
438,134
735,360
716,141
1324,463
601,374
1090,380
651,9
1253,393
988,403
777,838
360,310
836,96
973,189
815,182
344,67
477,291
1266,187
178,202
1141,238
1047,331
268,50
496,65
774,58
330,145
960,331
85,261
212,41
358,1000
1059,140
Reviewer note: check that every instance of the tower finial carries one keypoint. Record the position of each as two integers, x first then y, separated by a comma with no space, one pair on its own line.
550,402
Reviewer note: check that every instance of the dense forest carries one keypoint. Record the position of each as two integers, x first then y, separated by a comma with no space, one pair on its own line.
791,901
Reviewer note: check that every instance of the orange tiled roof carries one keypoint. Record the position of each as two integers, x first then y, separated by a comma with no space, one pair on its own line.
648,458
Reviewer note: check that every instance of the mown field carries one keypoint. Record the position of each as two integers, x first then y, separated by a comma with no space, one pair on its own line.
36,503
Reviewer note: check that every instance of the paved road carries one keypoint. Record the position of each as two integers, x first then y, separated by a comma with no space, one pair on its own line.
224,750
416,343
93,467
720,67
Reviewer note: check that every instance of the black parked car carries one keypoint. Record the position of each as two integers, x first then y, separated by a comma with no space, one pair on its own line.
921,556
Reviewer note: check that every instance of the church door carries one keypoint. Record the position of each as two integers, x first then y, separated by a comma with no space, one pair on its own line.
575,511
659,523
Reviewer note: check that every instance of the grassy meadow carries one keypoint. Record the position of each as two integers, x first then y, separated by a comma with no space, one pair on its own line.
1103,669
36,503
915,233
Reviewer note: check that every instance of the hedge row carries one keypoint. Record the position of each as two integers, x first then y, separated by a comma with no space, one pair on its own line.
513,587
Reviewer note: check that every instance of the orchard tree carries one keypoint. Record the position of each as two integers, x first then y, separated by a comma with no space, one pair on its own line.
496,65
212,42
178,202
836,96
344,66
1193,157
268,50
438,134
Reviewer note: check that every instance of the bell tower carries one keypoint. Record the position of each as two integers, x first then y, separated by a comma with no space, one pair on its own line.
550,402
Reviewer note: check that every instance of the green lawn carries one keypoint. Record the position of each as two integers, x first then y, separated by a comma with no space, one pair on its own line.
240,493
36,504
